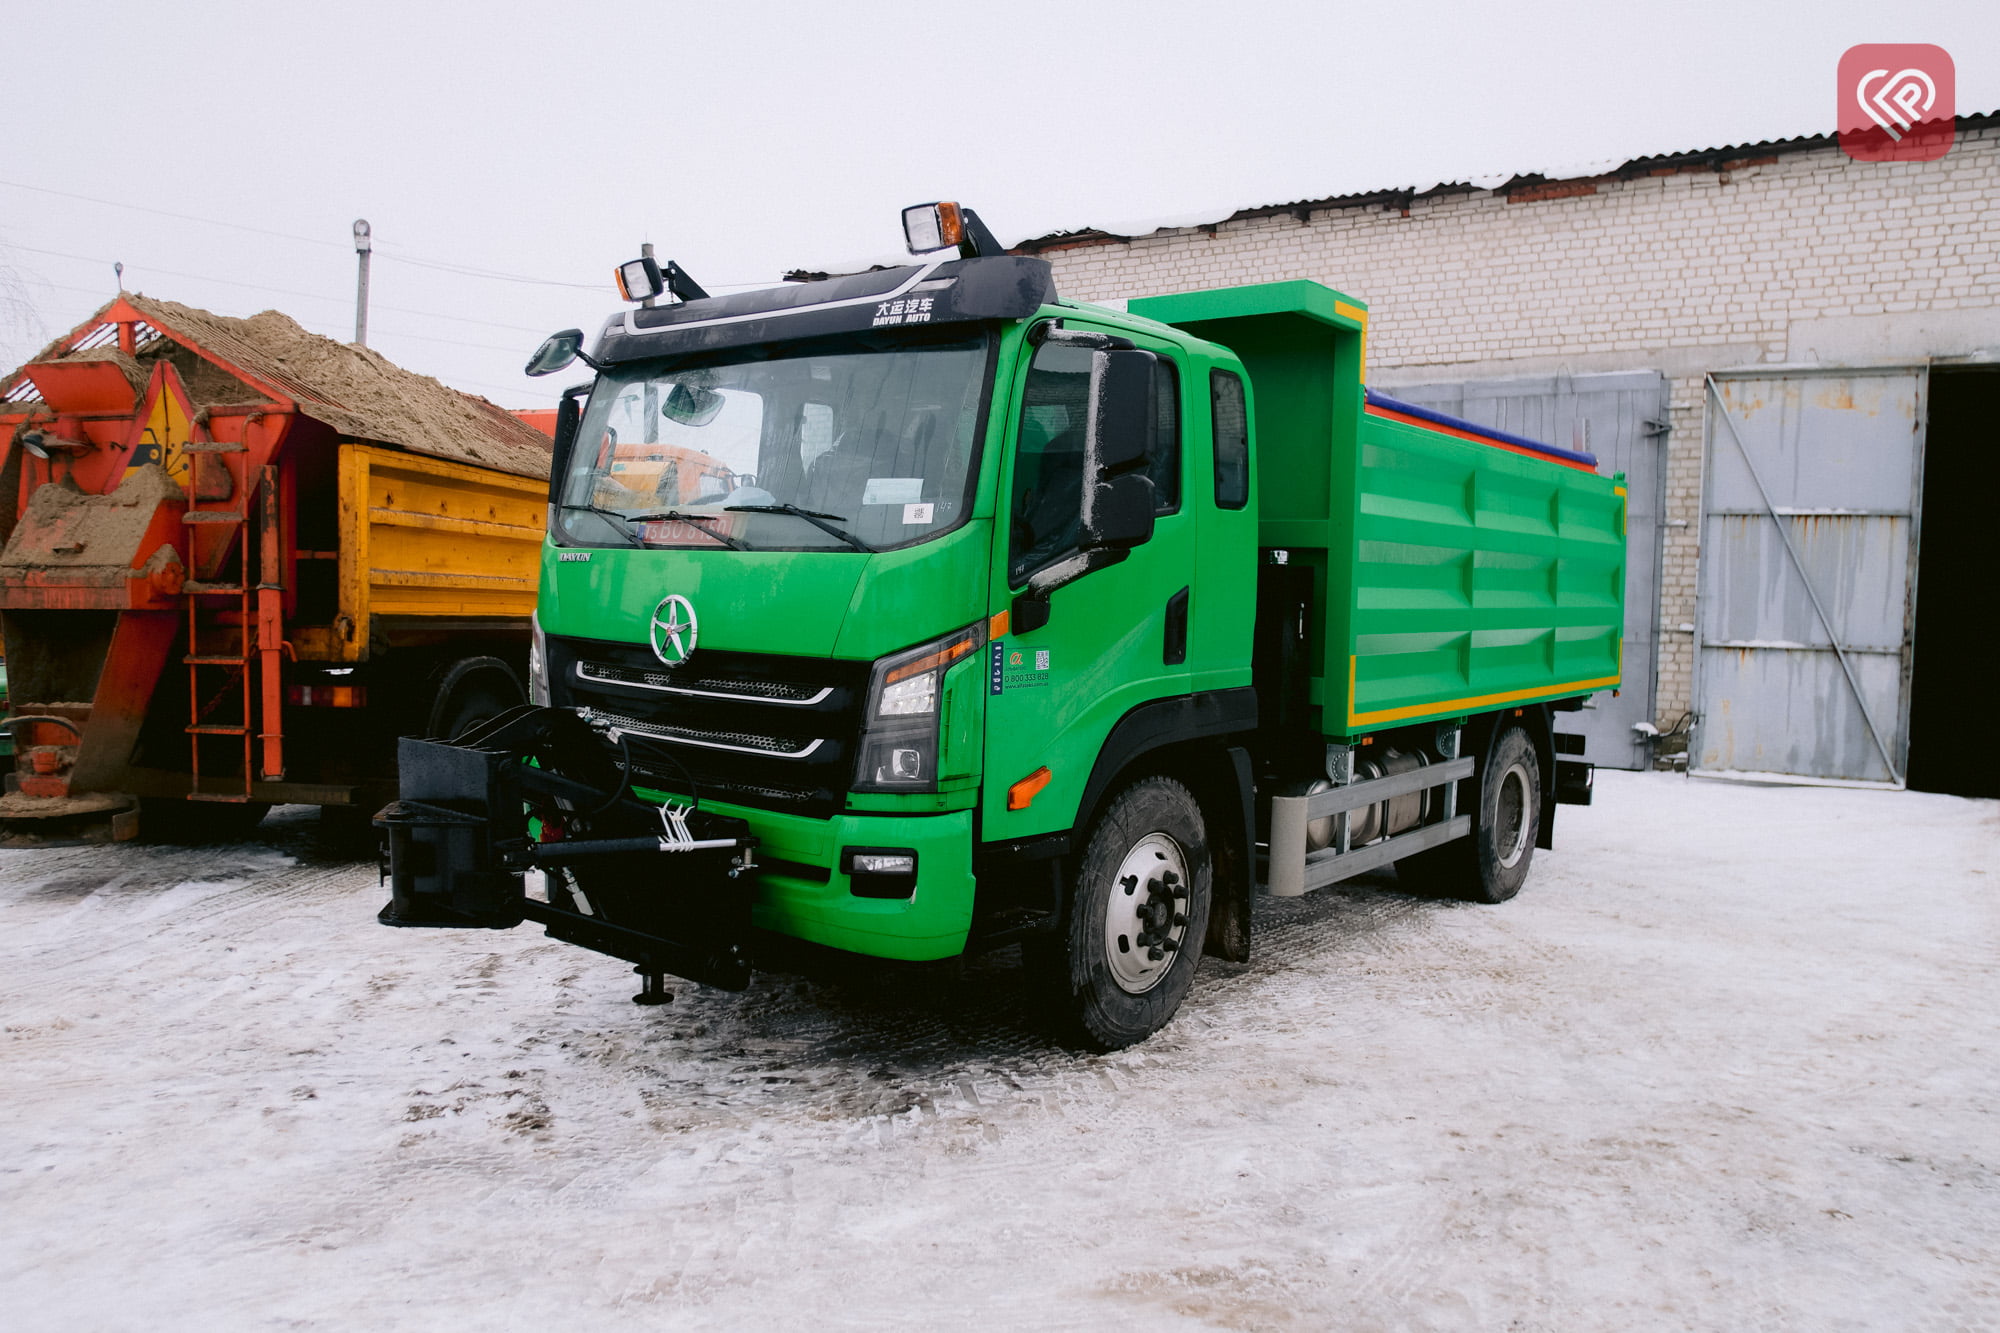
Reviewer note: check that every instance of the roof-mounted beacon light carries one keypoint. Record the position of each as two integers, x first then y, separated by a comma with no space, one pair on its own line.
935,226
641,279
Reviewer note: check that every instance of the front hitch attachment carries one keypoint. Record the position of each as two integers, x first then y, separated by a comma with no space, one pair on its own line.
665,887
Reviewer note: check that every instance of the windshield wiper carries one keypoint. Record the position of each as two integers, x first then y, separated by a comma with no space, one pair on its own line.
617,520
677,516
812,516
624,523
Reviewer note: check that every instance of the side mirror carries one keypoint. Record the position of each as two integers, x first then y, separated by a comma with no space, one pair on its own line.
556,352
1117,447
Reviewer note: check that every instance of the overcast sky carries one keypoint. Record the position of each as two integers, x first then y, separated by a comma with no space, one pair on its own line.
508,155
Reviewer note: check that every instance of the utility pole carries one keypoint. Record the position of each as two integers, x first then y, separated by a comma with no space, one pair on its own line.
363,247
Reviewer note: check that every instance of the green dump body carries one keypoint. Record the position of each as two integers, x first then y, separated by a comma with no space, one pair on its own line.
1453,572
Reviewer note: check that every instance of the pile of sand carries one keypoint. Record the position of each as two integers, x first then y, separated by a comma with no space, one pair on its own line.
355,390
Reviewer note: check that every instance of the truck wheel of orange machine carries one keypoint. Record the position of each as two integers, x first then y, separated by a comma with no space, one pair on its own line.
1492,864
168,819
1138,915
475,690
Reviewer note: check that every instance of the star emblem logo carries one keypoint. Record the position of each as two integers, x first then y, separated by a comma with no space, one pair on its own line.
672,632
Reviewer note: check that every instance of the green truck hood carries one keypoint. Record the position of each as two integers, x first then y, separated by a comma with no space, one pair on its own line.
808,603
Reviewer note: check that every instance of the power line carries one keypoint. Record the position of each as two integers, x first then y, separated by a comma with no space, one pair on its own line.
168,213
518,391
278,291
387,249
293,236
468,271
100,294
464,270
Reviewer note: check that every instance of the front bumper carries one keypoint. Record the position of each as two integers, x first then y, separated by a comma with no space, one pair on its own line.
801,890
460,842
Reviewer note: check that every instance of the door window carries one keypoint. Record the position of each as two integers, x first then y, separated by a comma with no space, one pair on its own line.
1046,503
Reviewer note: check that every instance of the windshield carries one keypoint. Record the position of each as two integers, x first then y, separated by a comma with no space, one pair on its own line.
860,442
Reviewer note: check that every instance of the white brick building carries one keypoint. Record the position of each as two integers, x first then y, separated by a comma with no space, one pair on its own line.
1774,255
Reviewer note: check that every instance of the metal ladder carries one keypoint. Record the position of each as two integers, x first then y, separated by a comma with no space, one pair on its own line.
257,629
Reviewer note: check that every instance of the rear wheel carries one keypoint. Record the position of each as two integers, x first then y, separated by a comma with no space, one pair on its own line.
1491,865
1138,915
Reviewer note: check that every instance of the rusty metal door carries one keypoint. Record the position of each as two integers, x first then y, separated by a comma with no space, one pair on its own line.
1808,574
1622,418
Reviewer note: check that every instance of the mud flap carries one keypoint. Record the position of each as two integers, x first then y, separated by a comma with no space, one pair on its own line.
1574,779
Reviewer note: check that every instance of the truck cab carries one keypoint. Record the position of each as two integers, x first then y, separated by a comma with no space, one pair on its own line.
931,598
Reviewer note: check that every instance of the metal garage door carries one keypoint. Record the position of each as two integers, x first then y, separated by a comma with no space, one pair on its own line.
1808,574
1622,419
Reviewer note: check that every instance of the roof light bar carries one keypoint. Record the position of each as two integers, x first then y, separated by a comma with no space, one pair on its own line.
640,279
932,226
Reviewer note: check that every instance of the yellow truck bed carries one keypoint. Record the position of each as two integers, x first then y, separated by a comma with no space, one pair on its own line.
424,537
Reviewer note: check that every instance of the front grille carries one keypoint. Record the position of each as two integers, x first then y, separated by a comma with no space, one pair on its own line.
711,687
709,740
760,729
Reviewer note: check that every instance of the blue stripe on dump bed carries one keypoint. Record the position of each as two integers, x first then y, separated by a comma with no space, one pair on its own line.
1375,399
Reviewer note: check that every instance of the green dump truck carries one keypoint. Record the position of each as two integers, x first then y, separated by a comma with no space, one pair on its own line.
921,611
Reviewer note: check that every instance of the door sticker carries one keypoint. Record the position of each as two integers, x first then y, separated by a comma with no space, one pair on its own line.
1016,668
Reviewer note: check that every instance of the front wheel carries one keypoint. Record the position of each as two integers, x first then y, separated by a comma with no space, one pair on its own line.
1138,915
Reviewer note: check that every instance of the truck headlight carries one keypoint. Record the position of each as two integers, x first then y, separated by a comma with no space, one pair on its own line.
538,662
899,739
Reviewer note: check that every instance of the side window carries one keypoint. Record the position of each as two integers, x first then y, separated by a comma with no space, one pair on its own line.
1047,501
1232,440
1046,505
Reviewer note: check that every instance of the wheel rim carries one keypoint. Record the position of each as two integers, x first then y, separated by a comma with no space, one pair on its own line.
1510,824
1145,923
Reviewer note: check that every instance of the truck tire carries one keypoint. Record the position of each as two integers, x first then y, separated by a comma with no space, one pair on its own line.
1137,918
169,819
1492,864
475,690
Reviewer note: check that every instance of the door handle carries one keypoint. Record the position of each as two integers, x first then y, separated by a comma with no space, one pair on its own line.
1175,650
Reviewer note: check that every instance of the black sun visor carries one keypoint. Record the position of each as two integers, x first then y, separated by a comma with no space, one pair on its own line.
951,291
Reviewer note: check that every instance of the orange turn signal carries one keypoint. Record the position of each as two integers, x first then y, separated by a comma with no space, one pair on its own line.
944,656
1023,793
928,227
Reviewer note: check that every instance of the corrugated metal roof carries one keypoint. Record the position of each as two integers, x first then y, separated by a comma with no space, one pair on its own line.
1520,184
1531,184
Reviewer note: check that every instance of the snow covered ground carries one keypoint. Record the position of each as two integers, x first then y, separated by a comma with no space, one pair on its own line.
1729,1062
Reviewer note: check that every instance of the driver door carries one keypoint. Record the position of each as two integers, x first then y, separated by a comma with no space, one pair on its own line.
1116,637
